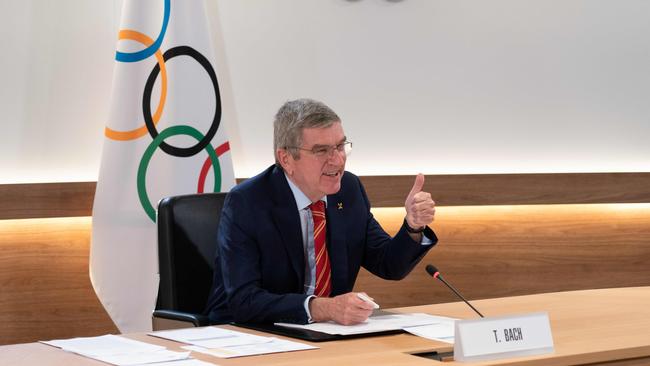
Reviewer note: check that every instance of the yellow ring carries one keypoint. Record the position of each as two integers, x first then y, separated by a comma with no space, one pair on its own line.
141,131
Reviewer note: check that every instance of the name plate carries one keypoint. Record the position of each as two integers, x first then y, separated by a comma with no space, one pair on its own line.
502,337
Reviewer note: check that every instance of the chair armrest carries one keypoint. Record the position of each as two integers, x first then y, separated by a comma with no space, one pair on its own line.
196,320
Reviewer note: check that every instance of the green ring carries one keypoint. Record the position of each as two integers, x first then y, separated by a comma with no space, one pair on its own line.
148,153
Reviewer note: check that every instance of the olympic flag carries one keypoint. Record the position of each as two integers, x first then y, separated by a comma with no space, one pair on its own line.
164,136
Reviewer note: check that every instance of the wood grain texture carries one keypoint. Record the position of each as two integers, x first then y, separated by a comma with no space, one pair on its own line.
495,251
588,328
46,291
20,201
41,200
513,189
486,252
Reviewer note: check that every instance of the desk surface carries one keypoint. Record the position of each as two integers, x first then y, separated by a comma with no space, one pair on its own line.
589,327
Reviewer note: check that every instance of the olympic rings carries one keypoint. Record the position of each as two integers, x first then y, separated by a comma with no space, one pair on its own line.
151,121
220,150
141,131
146,157
146,101
152,48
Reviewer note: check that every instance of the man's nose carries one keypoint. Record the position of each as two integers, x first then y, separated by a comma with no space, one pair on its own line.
335,156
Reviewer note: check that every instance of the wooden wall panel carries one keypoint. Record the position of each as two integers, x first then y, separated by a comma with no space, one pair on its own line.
485,251
495,251
513,189
45,288
20,201
40,200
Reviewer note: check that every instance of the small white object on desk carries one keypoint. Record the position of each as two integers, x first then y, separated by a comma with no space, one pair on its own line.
503,337
365,298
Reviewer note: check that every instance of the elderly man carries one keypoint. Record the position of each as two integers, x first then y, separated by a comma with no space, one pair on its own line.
292,239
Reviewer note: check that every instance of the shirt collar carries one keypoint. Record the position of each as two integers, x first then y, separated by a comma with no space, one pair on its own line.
301,199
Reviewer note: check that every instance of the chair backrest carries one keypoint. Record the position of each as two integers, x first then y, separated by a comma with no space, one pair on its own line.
187,242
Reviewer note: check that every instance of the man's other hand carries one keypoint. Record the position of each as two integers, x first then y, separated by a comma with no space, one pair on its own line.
346,309
420,208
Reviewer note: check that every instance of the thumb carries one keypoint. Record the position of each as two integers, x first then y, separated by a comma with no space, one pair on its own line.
417,185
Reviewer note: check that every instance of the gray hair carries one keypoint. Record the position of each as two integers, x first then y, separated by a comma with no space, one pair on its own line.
296,115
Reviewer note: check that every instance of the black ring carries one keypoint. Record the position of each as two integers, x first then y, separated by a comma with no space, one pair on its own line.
146,102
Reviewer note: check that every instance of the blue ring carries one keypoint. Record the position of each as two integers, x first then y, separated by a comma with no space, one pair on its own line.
141,55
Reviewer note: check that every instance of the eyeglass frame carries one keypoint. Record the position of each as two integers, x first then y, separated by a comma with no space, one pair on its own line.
343,147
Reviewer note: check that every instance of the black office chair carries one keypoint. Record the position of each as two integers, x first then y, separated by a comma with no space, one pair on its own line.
187,241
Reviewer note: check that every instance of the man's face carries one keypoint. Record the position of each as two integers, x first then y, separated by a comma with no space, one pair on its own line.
317,176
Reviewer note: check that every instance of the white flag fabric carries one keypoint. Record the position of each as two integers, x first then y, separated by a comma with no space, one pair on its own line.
164,136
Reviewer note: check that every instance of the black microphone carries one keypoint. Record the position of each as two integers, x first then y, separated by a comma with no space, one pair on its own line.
433,271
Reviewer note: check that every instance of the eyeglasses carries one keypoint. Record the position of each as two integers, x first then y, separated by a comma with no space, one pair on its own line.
326,151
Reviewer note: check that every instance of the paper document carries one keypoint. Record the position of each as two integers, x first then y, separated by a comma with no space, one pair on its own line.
442,331
129,359
274,346
189,362
226,343
117,350
103,345
374,324
211,337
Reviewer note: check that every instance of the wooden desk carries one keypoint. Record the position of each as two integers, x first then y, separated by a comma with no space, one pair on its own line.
596,327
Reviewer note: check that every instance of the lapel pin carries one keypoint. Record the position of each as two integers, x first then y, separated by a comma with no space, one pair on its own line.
339,205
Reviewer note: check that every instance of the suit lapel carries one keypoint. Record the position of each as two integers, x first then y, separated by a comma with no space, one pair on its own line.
336,246
287,221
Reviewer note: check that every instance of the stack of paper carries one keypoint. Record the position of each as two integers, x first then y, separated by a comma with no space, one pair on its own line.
227,343
210,337
439,328
380,323
117,350
442,331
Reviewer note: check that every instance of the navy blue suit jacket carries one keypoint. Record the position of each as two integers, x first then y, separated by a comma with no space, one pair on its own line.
260,263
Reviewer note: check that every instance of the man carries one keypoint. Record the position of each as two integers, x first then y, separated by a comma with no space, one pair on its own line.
292,239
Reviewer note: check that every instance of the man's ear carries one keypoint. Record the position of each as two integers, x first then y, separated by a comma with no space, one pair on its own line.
285,159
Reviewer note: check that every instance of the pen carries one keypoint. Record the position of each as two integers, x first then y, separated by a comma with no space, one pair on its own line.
365,298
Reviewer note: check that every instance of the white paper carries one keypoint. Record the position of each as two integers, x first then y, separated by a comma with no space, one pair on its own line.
233,341
374,324
274,346
103,345
188,362
117,350
211,337
442,331
129,359
189,335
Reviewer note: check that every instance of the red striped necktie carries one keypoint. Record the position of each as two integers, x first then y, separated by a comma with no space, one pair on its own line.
323,271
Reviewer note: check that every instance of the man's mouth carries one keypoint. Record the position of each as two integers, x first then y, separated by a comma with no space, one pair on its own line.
332,174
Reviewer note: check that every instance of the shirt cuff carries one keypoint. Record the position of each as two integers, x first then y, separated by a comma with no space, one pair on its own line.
425,241
306,305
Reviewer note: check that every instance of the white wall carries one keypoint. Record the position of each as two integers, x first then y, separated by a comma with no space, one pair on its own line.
55,80
421,85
